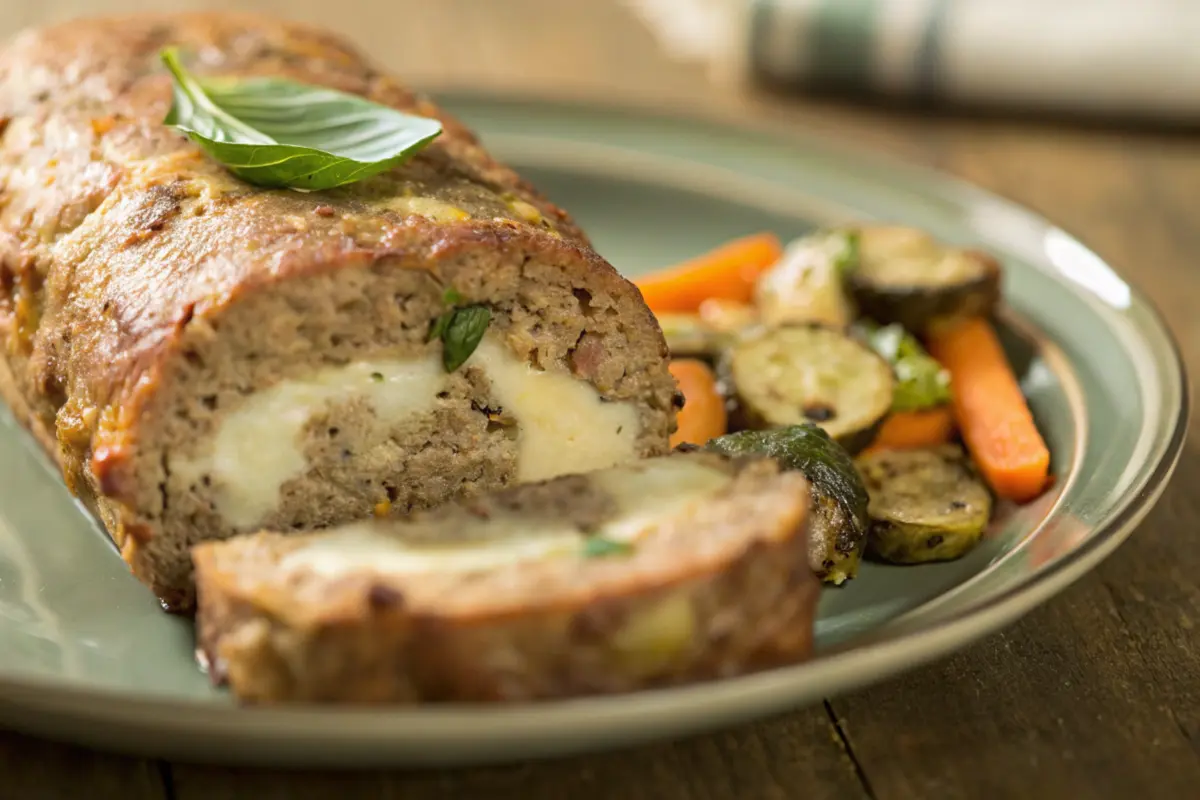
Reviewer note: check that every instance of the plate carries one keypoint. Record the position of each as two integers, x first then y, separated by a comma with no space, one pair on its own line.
86,655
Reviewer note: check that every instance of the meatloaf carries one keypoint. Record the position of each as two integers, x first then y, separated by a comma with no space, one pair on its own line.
205,357
658,572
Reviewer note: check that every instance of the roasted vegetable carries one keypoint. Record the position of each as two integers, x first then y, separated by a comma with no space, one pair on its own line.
926,505
728,316
906,276
838,514
905,430
703,414
728,272
991,412
688,336
806,285
921,382
796,374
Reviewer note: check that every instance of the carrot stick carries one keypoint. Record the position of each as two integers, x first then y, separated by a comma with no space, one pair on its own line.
908,429
991,412
703,415
729,272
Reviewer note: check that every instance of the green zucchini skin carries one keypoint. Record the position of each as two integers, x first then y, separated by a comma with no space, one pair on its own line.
925,505
756,404
838,515
886,296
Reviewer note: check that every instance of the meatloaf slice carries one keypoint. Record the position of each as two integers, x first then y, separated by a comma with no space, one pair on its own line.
665,571
205,357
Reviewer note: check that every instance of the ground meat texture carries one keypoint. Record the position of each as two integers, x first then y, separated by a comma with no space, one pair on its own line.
714,583
147,296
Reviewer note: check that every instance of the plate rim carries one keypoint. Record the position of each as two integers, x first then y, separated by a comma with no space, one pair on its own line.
902,645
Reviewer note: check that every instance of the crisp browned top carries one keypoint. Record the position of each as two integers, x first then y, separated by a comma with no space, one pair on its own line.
118,229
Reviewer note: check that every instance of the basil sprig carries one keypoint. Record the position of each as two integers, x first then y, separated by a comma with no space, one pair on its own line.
921,382
281,134
460,329
848,256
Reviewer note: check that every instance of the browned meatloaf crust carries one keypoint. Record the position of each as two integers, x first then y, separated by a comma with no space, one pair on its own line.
147,298
715,583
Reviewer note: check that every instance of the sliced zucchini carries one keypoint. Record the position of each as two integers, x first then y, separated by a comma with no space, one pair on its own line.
796,374
926,505
689,336
728,316
921,382
904,275
838,517
806,285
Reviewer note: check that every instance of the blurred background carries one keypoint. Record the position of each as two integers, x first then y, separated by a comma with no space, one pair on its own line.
1127,62
1084,110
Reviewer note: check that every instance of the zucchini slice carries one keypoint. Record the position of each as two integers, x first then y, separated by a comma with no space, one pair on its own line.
904,275
689,336
728,317
838,512
926,505
797,374
806,285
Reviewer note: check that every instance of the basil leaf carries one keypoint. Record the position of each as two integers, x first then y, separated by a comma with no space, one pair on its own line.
921,382
848,257
601,547
439,326
281,134
462,334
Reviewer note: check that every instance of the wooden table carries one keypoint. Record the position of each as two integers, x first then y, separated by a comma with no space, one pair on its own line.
1095,695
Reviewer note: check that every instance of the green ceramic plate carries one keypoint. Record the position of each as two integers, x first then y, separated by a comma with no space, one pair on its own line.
85,653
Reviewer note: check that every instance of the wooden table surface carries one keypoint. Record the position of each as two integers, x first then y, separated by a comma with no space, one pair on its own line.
1097,694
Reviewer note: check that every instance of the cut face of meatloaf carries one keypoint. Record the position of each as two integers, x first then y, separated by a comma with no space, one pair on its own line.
664,571
206,357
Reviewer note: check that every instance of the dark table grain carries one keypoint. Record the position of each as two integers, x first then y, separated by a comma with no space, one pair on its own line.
1097,694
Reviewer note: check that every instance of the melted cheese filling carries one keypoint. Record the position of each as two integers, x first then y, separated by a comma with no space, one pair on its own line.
563,425
258,445
645,494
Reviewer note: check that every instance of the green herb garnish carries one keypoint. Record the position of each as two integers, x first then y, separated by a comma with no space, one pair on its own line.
602,547
451,297
377,377
439,326
461,330
847,258
921,382
279,133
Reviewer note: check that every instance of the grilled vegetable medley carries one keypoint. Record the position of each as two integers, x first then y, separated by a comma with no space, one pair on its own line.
864,357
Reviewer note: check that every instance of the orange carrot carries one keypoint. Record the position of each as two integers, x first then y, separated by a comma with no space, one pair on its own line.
703,416
729,272
991,412
908,429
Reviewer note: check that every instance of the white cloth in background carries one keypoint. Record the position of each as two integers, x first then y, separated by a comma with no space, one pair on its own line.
1132,58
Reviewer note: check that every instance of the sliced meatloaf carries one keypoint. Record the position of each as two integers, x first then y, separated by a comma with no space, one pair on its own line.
663,571
205,357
